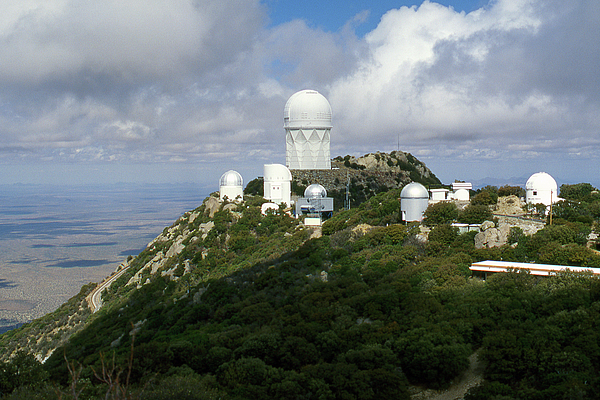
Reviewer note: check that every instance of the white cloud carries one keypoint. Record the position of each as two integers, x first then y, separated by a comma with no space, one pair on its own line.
441,78
193,81
127,41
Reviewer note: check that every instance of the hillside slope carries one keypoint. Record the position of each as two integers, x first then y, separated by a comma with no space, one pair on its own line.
228,303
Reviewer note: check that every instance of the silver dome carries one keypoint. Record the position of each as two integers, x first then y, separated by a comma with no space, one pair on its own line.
231,178
314,191
414,190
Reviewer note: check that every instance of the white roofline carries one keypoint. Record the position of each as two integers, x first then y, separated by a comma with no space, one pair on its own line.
535,269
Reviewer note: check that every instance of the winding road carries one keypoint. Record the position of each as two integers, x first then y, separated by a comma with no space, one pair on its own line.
94,299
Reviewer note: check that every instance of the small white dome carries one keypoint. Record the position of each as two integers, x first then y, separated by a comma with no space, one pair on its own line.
231,178
276,173
414,190
461,194
307,108
541,181
315,190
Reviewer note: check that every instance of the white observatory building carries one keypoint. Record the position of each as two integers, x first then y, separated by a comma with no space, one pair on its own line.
231,186
541,188
278,184
414,199
307,123
315,205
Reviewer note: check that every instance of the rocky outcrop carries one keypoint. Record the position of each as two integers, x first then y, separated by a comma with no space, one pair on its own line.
510,205
528,226
212,205
508,212
490,236
367,175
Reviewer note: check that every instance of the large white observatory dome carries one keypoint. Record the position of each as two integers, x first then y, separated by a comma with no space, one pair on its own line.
307,108
231,186
541,188
307,123
541,180
315,191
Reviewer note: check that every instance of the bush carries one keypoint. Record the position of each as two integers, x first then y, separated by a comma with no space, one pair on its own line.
507,190
487,195
444,234
440,213
578,191
475,214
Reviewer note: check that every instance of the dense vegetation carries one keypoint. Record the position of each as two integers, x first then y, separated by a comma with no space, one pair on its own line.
254,309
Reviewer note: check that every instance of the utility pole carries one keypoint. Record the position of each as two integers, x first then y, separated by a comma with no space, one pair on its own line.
347,205
550,206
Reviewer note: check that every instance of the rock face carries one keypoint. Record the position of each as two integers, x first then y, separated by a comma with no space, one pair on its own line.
509,213
491,236
528,226
212,206
368,175
510,205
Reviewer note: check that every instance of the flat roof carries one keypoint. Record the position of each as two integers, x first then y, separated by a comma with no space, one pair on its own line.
535,269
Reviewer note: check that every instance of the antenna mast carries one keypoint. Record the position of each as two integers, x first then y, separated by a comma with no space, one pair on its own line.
347,205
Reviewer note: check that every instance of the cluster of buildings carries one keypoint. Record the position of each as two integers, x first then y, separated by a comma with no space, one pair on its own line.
541,188
307,120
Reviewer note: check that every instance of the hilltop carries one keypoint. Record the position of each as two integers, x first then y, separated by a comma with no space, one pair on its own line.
229,303
364,176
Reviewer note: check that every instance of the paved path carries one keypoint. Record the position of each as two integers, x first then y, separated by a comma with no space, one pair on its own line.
473,376
94,299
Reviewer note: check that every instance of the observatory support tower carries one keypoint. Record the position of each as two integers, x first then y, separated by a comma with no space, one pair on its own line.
307,123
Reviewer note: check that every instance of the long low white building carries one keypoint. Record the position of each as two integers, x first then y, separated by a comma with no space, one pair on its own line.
490,266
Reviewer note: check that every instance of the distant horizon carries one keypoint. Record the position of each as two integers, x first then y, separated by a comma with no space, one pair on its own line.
55,239
213,187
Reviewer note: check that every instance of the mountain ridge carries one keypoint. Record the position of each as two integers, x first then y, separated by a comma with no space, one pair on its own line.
242,305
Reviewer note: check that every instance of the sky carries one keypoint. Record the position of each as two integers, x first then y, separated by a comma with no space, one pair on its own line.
183,90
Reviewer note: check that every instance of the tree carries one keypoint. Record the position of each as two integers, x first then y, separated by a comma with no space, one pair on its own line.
539,209
475,214
484,198
578,191
444,234
515,234
442,212
255,187
572,211
507,190
22,369
486,195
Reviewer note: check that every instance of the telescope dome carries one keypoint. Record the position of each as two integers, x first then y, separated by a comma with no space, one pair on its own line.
541,188
414,190
231,178
541,181
314,191
307,108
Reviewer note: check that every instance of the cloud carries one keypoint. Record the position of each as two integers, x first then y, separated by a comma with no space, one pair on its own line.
302,56
199,81
514,72
129,42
